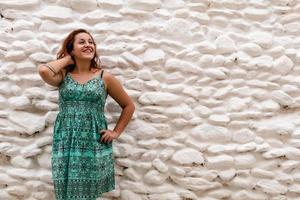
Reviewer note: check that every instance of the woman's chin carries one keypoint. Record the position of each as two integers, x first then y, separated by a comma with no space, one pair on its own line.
85,57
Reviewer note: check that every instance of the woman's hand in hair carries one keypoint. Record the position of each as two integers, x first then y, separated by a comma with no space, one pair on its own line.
68,58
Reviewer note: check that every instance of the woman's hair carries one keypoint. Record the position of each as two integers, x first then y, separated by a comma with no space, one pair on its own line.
67,46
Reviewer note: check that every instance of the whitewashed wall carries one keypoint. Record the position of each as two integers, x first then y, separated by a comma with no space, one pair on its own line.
215,83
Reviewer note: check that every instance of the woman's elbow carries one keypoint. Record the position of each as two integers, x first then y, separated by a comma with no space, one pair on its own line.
132,107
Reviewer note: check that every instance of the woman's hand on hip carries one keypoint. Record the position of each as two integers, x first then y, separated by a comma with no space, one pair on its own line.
108,136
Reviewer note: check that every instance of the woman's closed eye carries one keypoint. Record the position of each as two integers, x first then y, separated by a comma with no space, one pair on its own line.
82,42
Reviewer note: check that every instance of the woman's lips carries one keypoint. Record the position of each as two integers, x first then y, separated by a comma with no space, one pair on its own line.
88,51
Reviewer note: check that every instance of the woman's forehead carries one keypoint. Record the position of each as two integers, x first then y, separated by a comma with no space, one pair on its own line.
84,36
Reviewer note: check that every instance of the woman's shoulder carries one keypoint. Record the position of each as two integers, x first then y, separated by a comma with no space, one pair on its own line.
109,78
107,74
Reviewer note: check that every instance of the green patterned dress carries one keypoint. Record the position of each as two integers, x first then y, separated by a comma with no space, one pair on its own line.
82,167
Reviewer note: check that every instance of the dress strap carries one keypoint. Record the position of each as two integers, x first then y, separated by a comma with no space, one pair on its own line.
102,73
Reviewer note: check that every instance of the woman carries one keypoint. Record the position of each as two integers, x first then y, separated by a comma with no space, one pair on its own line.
82,156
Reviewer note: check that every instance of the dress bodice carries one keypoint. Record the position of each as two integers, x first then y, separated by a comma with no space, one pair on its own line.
89,95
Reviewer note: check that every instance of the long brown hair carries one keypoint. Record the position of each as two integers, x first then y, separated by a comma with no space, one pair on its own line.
68,45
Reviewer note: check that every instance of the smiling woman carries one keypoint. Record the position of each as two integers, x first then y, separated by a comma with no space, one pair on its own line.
82,154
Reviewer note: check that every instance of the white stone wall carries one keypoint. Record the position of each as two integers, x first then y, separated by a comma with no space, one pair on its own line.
215,83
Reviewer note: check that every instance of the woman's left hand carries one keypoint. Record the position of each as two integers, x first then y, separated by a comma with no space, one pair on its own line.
108,136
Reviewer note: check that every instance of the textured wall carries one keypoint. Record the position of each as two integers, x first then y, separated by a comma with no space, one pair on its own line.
215,83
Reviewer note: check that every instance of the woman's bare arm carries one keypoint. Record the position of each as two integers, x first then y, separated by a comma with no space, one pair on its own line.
116,91
58,66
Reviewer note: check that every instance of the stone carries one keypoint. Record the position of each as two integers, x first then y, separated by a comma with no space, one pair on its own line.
206,47
244,161
177,111
41,57
132,59
274,153
227,175
264,39
45,176
20,161
142,130
220,193
9,67
45,105
30,123
251,146
259,62
22,173
243,136
289,165
162,13
133,13
283,65
44,160
97,16
165,196
155,177
256,14
154,56
34,93
177,171
187,156
117,4
272,187
30,151
18,4
7,180
202,111
220,162
15,55
292,28
128,27
3,102
177,29
148,144
295,188
252,49
82,5
159,98
202,18
269,106
129,195
210,133
132,174
159,165
292,153
195,183
166,154
237,104
19,103
56,13
248,195
225,45
261,173
146,5
215,74
219,119
282,98
182,66
216,149
284,178
20,191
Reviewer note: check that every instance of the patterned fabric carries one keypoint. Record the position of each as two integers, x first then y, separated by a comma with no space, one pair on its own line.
82,167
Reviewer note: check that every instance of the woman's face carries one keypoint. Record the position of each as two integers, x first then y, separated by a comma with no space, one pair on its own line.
83,47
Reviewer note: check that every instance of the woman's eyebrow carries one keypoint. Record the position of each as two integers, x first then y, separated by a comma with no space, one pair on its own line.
87,39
